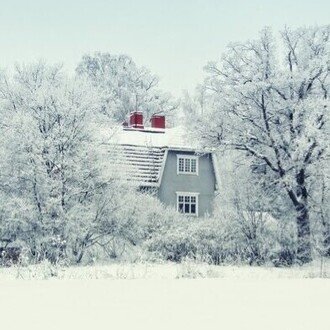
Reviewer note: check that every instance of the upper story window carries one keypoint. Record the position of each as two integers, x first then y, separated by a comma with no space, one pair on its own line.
187,164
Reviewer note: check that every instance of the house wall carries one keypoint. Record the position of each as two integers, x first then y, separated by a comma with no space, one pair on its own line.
203,183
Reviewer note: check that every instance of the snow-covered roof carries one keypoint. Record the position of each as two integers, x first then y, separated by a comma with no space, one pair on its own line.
140,164
140,154
171,138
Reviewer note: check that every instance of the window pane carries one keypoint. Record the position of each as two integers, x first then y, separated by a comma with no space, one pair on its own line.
193,208
186,208
181,164
193,165
187,199
181,207
187,165
180,198
193,199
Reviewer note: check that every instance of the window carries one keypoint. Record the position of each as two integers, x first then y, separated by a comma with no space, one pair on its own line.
187,164
187,203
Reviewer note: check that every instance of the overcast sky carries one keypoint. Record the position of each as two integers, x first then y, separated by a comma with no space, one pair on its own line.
174,39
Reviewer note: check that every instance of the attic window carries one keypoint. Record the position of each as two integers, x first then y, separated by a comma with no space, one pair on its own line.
187,164
187,203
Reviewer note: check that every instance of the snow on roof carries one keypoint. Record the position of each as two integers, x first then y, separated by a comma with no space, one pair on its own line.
141,165
140,154
172,138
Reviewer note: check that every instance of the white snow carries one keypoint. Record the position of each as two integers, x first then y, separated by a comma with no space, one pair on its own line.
173,138
281,304
160,296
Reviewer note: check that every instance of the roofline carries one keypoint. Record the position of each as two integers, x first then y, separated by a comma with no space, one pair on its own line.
197,151
145,129
188,149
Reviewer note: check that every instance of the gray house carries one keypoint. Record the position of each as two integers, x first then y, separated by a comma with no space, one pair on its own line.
162,160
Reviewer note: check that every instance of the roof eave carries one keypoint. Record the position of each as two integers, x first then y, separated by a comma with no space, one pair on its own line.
187,149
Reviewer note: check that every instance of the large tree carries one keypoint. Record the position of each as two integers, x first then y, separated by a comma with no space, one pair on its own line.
47,156
270,100
126,86
59,196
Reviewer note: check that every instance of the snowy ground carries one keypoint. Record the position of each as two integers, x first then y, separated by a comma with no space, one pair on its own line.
162,297
208,304
186,269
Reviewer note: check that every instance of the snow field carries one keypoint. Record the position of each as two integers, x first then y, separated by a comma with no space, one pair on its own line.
272,304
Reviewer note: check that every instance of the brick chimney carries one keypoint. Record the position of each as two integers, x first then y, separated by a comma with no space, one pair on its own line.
136,119
158,121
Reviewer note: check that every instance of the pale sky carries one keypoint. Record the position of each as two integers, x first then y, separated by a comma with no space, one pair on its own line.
174,39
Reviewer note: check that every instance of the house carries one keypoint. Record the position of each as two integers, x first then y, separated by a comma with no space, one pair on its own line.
162,160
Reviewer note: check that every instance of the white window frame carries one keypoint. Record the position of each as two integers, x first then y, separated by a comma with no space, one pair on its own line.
185,157
187,194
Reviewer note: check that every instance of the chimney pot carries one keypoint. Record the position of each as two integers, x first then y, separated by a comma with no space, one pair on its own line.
158,121
136,119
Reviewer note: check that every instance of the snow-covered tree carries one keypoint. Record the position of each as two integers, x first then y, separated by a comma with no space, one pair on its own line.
269,99
49,157
126,87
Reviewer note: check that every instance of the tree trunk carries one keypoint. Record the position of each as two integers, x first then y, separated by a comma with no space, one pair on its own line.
299,198
304,251
326,239
325,223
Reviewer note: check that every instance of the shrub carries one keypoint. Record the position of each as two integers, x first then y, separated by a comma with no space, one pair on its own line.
251,239
204,239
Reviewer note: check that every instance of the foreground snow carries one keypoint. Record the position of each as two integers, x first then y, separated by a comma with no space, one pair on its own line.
272,304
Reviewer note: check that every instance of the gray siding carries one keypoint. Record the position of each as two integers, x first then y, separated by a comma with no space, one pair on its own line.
203,183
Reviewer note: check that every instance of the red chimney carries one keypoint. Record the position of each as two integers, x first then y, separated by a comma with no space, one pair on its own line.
158,121
136,119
